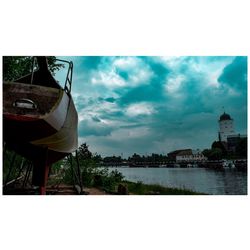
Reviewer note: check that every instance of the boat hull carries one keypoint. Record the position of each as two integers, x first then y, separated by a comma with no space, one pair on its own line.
51,123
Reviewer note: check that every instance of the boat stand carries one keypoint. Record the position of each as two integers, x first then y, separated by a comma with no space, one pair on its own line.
41,171
76,173
20,171
17,172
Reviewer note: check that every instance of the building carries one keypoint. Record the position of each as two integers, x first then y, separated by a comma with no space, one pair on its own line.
172,155
190,155
227,135
186,155
226,127
233,141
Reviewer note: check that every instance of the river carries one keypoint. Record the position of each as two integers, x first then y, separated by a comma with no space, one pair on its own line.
195,179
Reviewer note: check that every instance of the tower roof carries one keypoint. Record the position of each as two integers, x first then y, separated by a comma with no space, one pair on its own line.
225,116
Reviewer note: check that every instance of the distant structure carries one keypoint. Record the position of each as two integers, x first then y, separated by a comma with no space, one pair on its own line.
227,135
172,155
186,155
226,126
233,140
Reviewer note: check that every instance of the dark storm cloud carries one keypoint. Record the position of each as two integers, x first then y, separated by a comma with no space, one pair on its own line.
235,74
157,104
94,128
153,91
110,99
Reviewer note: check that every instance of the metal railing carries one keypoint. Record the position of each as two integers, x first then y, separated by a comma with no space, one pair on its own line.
69,76
68,80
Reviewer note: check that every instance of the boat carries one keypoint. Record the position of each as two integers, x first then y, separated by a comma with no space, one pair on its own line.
40,119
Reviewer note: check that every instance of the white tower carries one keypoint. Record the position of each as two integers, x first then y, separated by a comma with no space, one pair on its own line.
226,127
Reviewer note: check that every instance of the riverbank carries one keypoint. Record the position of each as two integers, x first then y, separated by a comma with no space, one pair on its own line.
139,188
131,188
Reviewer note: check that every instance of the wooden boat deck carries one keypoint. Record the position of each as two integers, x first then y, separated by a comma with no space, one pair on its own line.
45,98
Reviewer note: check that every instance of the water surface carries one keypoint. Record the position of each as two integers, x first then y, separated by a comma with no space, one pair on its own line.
195,179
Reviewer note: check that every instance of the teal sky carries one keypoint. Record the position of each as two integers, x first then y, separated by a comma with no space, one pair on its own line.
150,105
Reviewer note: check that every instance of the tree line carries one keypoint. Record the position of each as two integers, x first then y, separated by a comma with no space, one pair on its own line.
219,150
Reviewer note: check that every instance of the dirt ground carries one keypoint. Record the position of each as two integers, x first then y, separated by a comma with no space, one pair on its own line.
94,191
70,190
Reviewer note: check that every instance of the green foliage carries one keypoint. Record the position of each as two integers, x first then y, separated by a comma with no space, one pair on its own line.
67,176
16,66
91,173
56,167
113,159
89,168
150,158
107,180
116,176
144,189
213,154
216,154
206,152
137,188
84,153
218,151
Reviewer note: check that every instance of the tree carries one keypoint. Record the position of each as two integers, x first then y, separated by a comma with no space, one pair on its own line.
135,158
216,154
206,153
221,146
17,66
83,152
213,154
91,173
88,164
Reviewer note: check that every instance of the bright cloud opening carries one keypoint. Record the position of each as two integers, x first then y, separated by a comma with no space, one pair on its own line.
174,84
139,109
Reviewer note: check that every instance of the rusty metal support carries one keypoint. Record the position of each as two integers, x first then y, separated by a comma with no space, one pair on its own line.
70,160
27,174
33,70
18,177
21,167
76,174
79,171
11,168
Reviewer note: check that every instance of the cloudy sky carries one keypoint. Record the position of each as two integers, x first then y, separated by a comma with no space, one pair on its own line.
156,104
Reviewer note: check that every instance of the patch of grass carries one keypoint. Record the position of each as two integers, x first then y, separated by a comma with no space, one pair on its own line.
140,188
